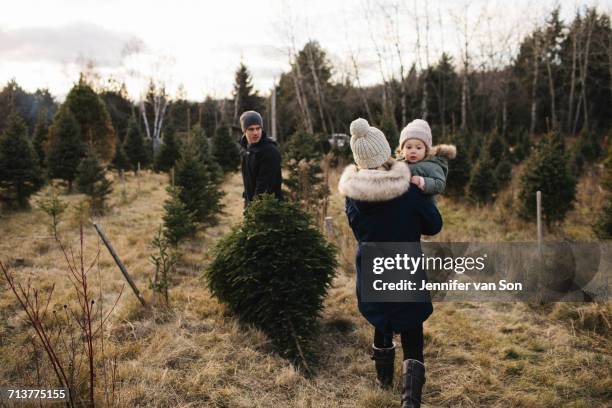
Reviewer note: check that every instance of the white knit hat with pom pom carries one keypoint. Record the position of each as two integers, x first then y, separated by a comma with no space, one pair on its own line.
369,145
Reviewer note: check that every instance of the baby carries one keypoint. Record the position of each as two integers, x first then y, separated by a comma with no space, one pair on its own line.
428,164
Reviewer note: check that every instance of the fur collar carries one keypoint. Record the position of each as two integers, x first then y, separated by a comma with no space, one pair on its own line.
375,185
445,150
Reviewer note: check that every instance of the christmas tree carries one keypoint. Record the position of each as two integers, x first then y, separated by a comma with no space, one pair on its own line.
65,147
547,169
91,180
279,290
225,149
20,174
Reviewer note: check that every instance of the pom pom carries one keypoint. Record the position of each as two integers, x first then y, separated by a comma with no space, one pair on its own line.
359,128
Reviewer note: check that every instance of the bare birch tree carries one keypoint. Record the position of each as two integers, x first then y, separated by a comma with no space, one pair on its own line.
157,100
586,30
536,51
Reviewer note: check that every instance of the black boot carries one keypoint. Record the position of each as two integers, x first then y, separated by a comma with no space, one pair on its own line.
383,361
413,378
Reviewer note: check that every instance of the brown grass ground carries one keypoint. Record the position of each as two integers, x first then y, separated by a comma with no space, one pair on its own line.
477,354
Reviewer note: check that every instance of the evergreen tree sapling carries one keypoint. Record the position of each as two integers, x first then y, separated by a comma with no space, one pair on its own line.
548,170
121,161
134,146
483,181
225,150
585,150
179,222
603,225
54,207
245,97
65,149
20,173
306,183
92,181
204,151
169,152
96,125
278,289
460,168
40,136
199,186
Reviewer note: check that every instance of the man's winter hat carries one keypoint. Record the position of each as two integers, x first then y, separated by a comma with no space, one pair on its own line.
417,129
250,118
369,145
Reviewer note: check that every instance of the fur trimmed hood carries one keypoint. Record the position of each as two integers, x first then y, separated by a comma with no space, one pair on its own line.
445,150
375,185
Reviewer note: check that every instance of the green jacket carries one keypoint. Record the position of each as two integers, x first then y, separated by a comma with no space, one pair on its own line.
434,169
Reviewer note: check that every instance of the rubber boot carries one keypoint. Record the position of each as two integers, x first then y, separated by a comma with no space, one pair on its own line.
413,379
384,359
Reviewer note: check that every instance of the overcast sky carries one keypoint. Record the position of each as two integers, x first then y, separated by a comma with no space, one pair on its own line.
197,45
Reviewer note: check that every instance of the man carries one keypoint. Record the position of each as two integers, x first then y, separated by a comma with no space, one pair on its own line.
261,160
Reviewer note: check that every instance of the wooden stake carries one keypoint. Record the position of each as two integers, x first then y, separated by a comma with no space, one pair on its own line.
329,227
122,178
124,271
539,218
138,176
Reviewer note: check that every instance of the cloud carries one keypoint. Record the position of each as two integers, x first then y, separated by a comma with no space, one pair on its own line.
269,52
70,43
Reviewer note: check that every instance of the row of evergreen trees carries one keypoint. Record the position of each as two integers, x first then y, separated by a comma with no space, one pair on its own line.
21,174
81,139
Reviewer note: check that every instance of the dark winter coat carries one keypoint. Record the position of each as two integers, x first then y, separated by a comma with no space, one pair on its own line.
261,168
382,206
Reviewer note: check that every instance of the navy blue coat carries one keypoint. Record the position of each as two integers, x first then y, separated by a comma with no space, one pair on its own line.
400,219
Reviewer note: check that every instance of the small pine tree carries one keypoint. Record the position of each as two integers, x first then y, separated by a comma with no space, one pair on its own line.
91,180
203,150
54,208
225,149
522,147
198,136
169,152
503,173
280,292
66,148
94,120
585,150
483,185
134,146
496,148
603,225
120,161
306,183
547,170
199,186
302,145
40,136
459,169
164,259
178,221
20,174
389,128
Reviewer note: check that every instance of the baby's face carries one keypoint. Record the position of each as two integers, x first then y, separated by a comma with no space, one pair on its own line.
414,150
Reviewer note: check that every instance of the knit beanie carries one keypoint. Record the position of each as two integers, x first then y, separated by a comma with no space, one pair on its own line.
417,129
250,118
369,145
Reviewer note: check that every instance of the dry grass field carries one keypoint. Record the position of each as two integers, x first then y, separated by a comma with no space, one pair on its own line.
196,354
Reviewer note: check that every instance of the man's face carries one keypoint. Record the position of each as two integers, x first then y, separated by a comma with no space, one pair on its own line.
253,134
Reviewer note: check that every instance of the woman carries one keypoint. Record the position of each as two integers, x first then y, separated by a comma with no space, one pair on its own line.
382,206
